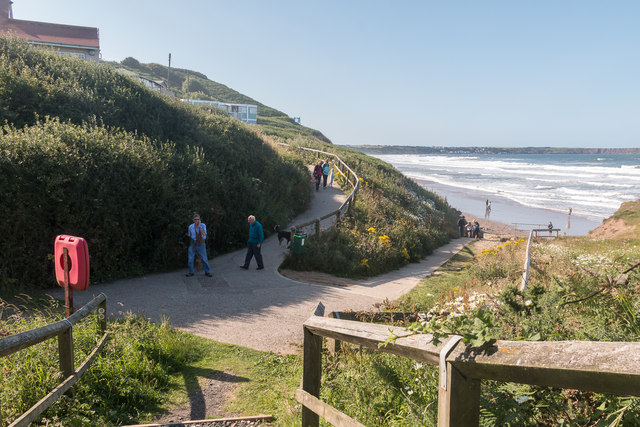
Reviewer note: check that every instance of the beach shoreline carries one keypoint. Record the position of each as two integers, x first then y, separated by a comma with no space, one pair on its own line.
509,213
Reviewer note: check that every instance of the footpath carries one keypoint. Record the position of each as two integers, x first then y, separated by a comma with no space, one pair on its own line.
263,310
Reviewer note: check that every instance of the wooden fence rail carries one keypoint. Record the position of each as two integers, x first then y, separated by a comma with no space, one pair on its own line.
605,367
62,329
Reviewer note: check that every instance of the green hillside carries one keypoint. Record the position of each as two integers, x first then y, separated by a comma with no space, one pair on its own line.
189,84
88,151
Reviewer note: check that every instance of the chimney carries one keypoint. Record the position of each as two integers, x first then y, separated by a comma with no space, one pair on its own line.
5,11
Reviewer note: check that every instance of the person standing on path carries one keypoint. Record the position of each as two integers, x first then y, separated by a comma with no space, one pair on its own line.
197,234
317,174
325,173
256,236
462,222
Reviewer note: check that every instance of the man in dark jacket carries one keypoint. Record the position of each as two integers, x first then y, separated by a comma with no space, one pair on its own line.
462,222
256,236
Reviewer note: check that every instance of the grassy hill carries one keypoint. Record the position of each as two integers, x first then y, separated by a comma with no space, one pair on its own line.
87,151
189,84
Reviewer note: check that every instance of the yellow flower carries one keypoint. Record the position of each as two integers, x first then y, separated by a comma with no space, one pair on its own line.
405,254
371,230
365,262
384,240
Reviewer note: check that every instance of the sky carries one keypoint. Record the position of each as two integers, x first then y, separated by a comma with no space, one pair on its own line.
501,73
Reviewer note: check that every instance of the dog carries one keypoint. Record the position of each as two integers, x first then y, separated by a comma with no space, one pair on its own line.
283,235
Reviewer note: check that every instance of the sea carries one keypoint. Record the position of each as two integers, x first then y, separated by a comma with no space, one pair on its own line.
528,190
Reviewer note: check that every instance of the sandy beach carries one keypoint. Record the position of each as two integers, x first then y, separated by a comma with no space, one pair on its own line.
509,213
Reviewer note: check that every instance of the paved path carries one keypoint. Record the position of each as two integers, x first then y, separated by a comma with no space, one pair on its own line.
258,309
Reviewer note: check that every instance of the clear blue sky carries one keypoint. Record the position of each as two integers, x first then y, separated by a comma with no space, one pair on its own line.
452,73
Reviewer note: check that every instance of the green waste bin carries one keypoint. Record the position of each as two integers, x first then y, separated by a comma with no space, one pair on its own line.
298,243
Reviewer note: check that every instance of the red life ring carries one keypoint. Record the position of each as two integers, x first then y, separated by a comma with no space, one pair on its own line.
78,261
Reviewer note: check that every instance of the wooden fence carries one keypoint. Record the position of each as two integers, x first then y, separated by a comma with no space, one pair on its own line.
62,329
350,177
527,260
604,367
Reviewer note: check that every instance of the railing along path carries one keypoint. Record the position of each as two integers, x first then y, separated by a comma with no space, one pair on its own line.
62,329
603,367
340,168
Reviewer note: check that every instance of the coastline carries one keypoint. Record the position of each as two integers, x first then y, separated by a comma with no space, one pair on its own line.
509,213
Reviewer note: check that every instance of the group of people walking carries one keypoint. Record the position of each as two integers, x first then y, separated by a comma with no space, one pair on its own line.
469,229
197,233
321,172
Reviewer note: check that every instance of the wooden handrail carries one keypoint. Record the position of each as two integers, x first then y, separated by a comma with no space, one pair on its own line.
355,184
17,342
604,367
63,330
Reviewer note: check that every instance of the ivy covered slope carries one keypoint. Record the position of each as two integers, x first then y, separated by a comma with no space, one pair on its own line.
87,151
394,222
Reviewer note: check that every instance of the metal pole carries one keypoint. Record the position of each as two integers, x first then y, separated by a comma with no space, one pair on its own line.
168,71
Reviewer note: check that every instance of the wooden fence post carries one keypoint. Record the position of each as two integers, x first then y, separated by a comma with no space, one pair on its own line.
459,403
102,316
317,228
312,370
333,345
65,352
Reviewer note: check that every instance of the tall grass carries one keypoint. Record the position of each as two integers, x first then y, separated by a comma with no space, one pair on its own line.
394,222
143,371
577,292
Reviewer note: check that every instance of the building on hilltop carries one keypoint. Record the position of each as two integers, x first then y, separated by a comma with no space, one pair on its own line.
66,40
155,85
244,112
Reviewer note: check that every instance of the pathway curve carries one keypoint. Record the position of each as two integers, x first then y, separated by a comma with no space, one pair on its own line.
262,310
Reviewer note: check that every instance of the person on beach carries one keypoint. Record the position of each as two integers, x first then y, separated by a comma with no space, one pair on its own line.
256,236
317,174
550,227
476,229
462,222
487,211
469,229
569,218
325,173
197,235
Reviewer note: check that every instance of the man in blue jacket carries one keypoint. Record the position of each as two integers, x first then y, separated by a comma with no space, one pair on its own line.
256,236
197,234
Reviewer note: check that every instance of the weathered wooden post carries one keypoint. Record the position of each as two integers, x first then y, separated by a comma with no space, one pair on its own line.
68,292
102,316
312,370
333,345
65,352
317,228
458,396
459,403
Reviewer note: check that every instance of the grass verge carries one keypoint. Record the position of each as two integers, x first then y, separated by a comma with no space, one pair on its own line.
145,370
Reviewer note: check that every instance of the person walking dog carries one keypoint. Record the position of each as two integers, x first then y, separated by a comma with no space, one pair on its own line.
256,236
197,235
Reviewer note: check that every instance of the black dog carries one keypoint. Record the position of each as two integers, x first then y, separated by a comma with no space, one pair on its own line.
283,235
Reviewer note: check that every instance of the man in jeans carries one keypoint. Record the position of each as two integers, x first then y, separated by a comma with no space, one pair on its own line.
197,234
256,236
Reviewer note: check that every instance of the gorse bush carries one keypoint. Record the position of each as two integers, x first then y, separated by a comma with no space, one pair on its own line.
393,222
88,152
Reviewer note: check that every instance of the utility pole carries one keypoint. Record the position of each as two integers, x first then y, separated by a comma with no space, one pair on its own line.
169,71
